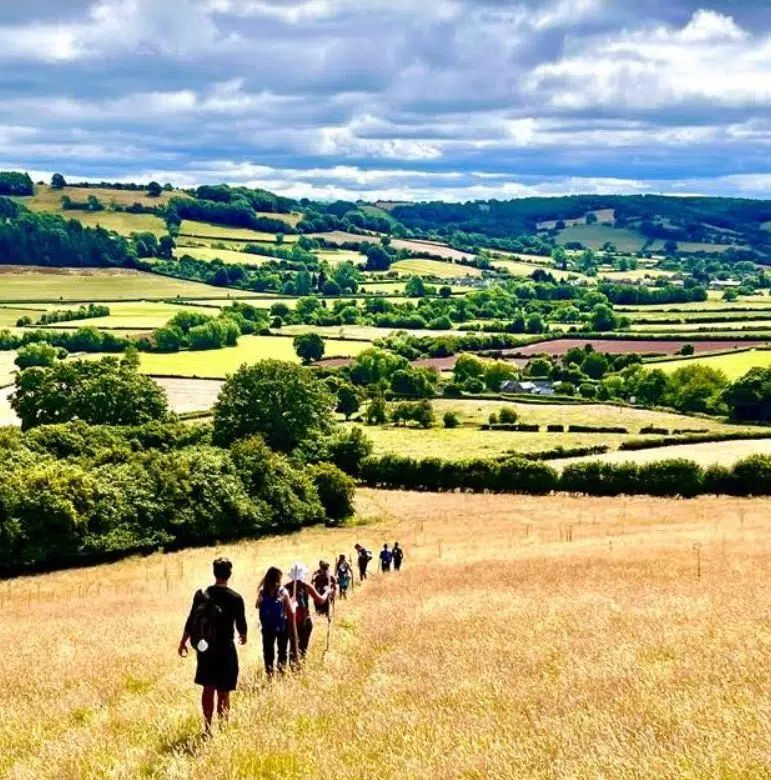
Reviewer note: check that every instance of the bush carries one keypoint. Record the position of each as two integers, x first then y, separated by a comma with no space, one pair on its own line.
555,428
474,386
649,429
450,420
677,477
452,391
336,490
507,415
493,419
348,449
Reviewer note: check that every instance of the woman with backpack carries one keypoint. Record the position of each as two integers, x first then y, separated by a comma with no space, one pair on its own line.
344,575
301,593
275,607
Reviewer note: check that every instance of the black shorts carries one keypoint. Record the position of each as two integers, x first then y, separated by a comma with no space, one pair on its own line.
218,667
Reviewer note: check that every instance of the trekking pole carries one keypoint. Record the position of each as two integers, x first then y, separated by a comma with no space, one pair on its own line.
294,623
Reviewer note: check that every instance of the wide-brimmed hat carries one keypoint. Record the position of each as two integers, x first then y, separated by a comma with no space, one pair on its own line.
299,571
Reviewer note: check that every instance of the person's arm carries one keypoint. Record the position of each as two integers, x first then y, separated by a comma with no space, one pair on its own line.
182,648
288,605
317,597
241,621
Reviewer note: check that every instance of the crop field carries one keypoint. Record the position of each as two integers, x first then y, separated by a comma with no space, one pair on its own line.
469,441
366,332
219,363
621,346
383,288
734,364
48,199
597,235
229,256
137,316
722,325
440,250
34,283
695,246
637,274
224,232
291,219
10,315
190,395
701,307
436,268
609,655
120,221
336,256
520,268
724,453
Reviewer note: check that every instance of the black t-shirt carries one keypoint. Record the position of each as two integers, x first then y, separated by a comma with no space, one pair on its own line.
233,615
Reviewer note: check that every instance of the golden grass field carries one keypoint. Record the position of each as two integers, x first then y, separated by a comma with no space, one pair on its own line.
526,637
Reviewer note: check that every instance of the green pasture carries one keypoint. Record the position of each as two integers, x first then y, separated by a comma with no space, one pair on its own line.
597,235
336,256
221,362
228,256
437,268
704,327
734,364
34,283
224,232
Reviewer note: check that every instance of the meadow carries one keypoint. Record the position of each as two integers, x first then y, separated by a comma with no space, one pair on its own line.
228,256
225,232
33,283
734,364
597,235
525,637
436,268
137,316
219,363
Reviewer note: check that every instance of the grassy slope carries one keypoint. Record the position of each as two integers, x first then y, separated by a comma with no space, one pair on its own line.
501,650
220,362
19,283
734,364
434,268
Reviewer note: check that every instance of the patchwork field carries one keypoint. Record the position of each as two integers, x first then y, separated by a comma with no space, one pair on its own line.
229,256
33,283
469,441
733,364
225,232
219,363
620,346
135,316
435,268
597,235
48,199
609,655
725,453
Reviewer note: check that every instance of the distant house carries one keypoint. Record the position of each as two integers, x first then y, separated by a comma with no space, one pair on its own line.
529,386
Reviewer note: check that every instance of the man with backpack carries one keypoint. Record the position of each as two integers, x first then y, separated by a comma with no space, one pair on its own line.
385,559
216,614
363,557
398,555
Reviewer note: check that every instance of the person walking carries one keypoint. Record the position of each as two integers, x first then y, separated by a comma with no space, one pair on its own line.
216,614
301,593
385,559
344,576
276,610
398,556
325,583
363,557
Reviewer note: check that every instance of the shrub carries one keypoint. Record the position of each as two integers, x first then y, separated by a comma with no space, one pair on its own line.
450,420
649,429
336,490
452,390
555,428
507,415
596,429
474,386
493,419
348,449
676,477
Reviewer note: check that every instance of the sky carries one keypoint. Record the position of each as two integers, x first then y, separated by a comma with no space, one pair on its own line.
393,99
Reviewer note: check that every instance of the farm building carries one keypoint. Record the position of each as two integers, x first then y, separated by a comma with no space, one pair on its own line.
531,386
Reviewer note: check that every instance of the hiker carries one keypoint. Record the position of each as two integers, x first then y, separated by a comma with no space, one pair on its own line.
299,634
385,559
215,613
398,555
344,575
363,556
275,607
324,582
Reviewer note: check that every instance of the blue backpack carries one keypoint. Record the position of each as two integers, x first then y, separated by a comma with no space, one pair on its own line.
272,614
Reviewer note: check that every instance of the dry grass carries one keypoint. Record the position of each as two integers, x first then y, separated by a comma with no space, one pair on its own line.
502,650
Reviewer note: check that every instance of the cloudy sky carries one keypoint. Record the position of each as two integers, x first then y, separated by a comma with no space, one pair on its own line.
403,99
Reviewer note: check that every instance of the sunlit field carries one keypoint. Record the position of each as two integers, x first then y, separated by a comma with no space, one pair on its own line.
207,230
525,637
438,268
734,364
34,283
221,362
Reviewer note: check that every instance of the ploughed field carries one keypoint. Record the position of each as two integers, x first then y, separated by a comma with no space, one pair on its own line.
525,637
643,346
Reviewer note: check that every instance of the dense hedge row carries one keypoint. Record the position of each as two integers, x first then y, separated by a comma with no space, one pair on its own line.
597,429
676,477
521,427
566,452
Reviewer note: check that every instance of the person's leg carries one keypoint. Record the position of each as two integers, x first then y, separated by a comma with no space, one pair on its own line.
268,650
207,704
304,636
282,640
223,704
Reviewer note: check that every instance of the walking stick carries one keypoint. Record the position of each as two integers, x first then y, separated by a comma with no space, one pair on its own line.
294,622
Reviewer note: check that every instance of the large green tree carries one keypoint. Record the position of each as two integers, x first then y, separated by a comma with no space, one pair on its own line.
106,392
309,347
749,397
282,402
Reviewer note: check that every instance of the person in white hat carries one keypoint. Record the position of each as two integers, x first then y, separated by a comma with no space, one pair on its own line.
301,592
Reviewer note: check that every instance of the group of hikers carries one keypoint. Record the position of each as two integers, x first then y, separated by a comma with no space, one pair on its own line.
218,614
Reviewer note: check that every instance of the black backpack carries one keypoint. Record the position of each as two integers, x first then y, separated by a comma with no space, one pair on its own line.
205,617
